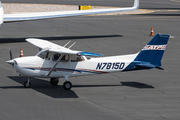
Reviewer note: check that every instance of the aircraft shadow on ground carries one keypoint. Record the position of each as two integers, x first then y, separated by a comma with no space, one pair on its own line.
12,40
136,85
44,87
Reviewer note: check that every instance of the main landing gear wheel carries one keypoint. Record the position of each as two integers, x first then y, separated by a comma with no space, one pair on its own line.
54,81
67,85
27,84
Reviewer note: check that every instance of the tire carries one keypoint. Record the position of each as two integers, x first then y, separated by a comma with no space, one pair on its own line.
27,84
67,85
54,81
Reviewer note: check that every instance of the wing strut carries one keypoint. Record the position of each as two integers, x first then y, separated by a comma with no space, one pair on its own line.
66,44
72,45
48,74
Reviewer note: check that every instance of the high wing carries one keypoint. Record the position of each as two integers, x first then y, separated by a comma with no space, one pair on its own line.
57,14
44,44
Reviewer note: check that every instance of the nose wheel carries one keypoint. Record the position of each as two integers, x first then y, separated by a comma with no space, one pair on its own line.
27,84
67,85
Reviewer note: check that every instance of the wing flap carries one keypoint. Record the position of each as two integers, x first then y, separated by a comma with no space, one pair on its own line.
67,51
73,52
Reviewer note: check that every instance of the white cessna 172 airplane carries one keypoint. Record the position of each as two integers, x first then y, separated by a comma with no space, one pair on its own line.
55,61
58,14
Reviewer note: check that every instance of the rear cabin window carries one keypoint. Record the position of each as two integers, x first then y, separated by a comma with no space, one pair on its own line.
65,58
75,58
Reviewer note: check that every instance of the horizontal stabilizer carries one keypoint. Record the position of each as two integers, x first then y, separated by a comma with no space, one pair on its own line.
146,65
158,67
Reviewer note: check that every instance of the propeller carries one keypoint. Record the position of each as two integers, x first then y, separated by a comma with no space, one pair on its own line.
11,61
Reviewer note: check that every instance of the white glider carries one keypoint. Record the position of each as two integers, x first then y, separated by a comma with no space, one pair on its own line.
58,14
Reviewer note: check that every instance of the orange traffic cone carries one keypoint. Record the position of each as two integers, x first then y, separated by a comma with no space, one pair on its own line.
152,32
21,53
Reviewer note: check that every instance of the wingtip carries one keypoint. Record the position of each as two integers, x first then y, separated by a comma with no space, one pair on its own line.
0,4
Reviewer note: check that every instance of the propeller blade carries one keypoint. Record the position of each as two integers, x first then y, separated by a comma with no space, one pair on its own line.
10,53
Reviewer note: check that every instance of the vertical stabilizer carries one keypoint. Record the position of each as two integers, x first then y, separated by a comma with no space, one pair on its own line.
154,50
136,4
1,14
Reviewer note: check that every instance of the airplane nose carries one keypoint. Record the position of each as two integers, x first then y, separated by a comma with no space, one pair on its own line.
11,62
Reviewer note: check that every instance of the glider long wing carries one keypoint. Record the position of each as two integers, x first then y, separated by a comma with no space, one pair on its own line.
58,14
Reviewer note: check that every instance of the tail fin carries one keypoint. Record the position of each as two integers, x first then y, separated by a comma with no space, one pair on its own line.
136,4
151,54
1,14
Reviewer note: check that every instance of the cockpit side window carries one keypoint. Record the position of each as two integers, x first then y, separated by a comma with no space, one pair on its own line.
56,56
48,55
65,58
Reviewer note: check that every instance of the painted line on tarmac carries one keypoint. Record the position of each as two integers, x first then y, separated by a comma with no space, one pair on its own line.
175,1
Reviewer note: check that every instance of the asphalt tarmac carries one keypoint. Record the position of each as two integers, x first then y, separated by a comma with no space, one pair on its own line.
145,94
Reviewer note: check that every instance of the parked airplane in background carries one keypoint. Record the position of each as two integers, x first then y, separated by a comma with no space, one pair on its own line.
54,61
58,14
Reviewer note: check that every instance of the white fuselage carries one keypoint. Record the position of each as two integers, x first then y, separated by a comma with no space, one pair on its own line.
35,66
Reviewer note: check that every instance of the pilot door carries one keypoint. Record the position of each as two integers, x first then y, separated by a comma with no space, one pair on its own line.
63,65
75,65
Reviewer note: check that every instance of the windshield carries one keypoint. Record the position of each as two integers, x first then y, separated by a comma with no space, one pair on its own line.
43,54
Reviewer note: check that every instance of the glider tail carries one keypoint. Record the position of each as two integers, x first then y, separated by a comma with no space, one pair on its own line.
136,4
1,14
150,56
